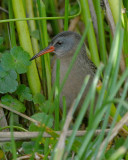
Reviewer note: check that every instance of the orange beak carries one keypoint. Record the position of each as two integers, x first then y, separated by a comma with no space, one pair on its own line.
44,51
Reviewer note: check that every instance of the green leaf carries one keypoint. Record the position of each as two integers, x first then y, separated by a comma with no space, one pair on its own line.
7,61
43,118
2,72
24,93
13,103
119,142
44,105
109,153
8,81
18,59
7,147
21,58
28,147
38,99
47,106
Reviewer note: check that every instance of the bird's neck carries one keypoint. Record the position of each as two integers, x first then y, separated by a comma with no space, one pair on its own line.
65,58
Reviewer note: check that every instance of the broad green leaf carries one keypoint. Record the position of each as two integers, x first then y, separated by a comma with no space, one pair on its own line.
13,103
109,153
17,59
7,61
2,72
8,81
119,142
47,106
21,59
24,93
7,147
28,147
38,99
43,118
44,106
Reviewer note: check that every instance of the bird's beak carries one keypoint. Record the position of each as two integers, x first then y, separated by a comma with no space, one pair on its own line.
44,51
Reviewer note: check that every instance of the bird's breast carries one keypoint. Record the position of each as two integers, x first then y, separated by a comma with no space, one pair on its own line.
74,81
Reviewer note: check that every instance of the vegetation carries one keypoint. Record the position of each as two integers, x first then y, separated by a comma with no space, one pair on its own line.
31,123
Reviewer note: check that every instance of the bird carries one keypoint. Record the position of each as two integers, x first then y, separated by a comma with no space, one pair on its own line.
64,46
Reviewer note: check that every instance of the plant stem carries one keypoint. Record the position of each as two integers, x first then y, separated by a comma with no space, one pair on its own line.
54,23
12,28
44,41
101,34
66,15
91,35
115,9
25,42
114,5
12,138
12,31
32,24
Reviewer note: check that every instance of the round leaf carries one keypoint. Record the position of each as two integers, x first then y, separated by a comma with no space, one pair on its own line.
38,99
8,81
24,93
7,61
17,59
21,59
13,103
43,118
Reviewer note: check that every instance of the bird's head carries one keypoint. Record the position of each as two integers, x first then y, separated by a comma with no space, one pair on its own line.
64,43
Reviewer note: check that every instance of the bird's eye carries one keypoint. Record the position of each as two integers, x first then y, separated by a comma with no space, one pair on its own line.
59,42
